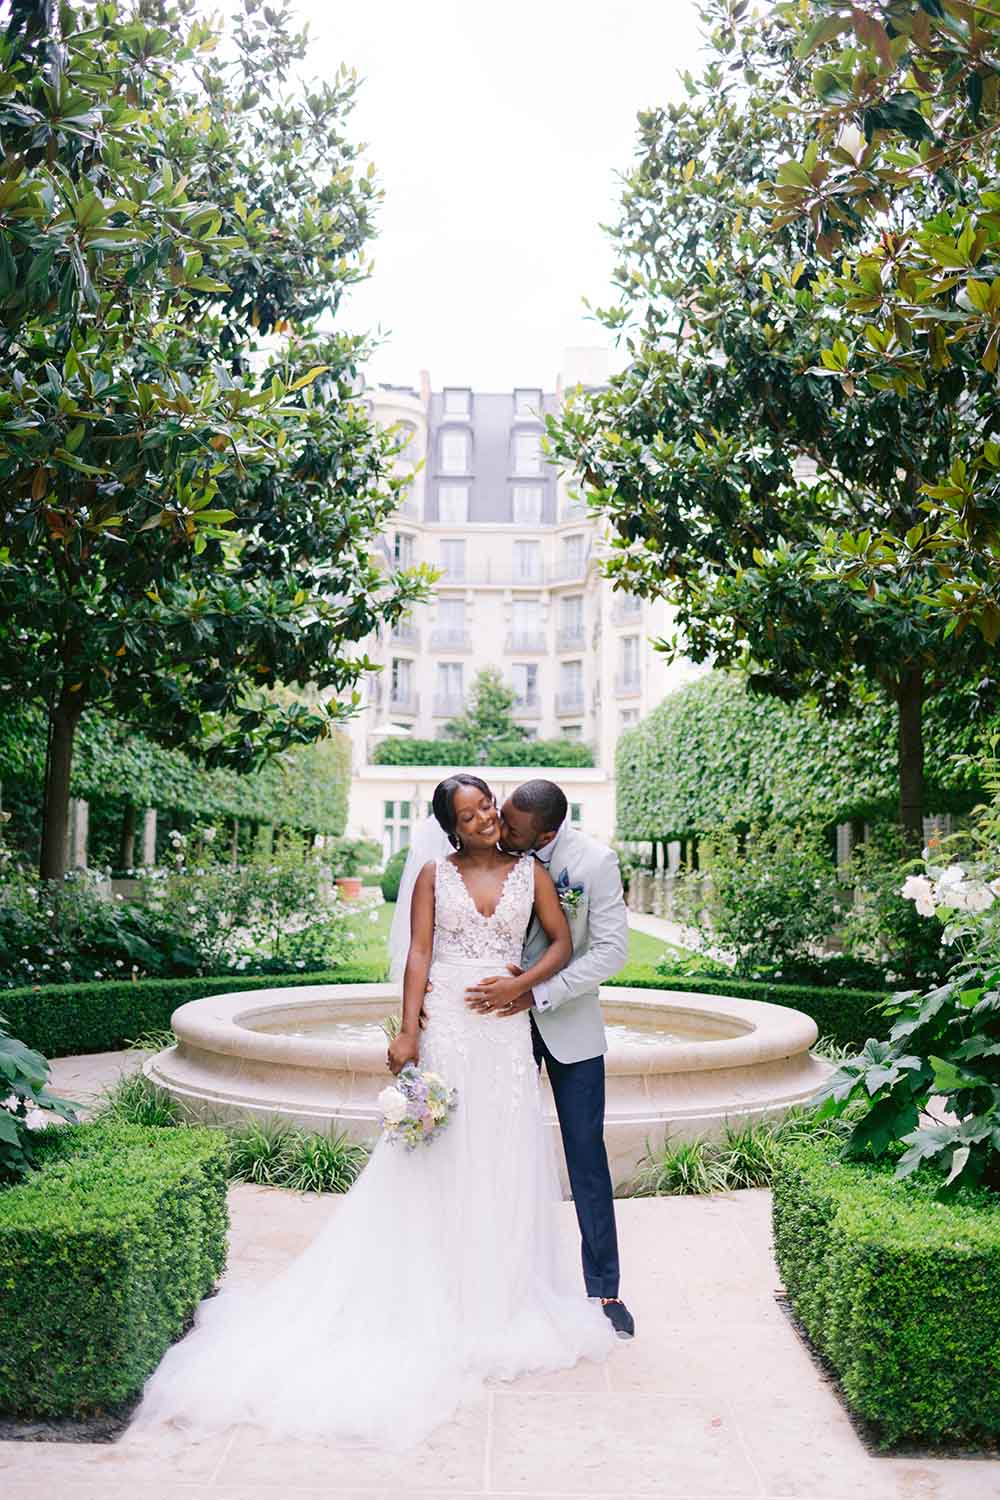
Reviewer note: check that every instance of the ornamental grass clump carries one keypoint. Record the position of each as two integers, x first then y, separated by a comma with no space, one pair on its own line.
944,1042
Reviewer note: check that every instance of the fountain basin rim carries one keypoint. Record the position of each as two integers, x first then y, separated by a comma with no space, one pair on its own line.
224,1024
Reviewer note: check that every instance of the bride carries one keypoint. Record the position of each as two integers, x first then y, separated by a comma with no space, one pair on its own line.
442,1268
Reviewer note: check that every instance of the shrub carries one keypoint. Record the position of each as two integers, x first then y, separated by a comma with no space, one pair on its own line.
464,754
24,1076
63,1020
198,915
882,926
393,874
944,1042
105,1252
775,895
899,1291
845,1016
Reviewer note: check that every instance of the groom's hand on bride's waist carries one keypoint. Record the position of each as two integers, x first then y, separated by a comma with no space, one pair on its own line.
500,994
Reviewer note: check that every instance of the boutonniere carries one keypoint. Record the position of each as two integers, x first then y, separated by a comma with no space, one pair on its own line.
569,895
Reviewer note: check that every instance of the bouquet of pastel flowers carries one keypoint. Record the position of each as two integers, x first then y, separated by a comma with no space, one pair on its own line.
417,1107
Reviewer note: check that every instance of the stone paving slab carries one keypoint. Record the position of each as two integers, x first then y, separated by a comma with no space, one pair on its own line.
715,1400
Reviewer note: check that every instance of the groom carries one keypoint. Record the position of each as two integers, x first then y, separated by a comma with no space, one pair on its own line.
566,1024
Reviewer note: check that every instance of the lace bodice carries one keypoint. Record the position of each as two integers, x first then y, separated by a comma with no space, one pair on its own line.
461,931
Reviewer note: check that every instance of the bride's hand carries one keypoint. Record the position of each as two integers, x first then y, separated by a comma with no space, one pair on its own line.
402,1049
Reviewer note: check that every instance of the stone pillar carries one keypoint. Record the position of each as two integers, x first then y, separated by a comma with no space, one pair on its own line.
149,836
79,820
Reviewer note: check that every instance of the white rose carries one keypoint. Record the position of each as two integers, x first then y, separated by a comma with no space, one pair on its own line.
973,896
393,1105
434,1078
919,889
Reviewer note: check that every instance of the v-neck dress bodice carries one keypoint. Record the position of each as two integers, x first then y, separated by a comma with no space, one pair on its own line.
462,932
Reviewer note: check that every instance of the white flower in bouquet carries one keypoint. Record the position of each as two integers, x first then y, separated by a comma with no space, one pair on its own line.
393,1105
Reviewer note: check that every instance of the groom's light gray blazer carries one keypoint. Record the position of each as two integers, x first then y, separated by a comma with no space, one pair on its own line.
567,1008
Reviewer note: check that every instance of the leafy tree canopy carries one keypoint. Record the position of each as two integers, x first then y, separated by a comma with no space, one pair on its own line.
728,455
189,512
488,718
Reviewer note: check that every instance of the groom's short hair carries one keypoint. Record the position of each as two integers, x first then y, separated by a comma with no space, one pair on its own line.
544,800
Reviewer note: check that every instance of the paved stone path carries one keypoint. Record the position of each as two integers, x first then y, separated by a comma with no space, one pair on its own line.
715,1400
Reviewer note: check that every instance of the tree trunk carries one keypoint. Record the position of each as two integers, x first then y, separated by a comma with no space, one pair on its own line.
234,844
55,805
126,850
910,702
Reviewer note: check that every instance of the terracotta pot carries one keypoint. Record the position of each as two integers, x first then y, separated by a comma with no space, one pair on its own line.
350,887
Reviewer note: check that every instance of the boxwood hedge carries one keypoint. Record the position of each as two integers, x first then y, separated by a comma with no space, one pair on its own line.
105,1252
465,754
899,1291
847,1017
64,1020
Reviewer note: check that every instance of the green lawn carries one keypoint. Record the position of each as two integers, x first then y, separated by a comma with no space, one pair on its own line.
643,952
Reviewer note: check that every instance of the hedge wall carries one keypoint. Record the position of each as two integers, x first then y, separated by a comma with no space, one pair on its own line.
465,755
899,1291
105,1252
848,1017
65,1020
305,787
713,754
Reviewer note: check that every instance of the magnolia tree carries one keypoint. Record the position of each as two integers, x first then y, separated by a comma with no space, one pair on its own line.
892,168
191,487
728,455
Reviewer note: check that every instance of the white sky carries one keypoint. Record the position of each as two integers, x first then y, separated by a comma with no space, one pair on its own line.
496,130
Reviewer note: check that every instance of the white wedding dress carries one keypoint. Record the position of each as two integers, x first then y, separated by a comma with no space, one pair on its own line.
441,1268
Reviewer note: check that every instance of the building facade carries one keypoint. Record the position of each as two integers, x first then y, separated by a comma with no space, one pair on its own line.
520,589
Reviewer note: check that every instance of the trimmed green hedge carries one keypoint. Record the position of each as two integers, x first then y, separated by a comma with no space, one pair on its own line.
899,1291
846,1016
464,755
713,754
105,1252
64,1020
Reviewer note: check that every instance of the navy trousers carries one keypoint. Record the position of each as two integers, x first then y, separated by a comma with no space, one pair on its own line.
578,1089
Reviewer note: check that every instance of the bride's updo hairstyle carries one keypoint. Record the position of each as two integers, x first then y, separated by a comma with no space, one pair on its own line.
443,802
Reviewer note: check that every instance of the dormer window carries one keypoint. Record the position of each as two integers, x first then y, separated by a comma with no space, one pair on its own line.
455,445
527,404
457,401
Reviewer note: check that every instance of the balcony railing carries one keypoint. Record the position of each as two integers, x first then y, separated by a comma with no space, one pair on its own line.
405,633
404,703
527,708
528,575
627,685
448,705
445,639
526,640
569,703
453,573
570,638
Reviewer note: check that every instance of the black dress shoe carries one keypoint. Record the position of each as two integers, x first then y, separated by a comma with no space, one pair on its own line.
620,1318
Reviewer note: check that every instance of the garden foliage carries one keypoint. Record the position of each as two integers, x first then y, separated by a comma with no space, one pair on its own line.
768,896
943,1043
190,512
105,1252
898,1290
194,915
895,138
728,455
466,754
24,1076
714,755
63,1020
